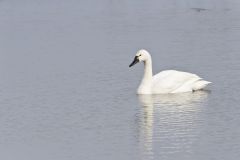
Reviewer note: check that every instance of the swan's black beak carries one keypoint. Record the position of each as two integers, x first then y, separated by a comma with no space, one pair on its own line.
136,60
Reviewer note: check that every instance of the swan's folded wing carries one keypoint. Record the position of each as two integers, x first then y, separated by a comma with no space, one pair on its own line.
172,81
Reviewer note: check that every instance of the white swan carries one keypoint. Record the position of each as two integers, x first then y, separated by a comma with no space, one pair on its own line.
169,81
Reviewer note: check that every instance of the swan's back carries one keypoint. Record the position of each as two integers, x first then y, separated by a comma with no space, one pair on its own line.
172,81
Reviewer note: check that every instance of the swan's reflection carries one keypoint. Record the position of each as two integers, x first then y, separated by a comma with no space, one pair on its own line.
169,121
146,126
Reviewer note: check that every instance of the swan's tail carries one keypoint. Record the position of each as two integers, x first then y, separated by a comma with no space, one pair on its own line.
200,85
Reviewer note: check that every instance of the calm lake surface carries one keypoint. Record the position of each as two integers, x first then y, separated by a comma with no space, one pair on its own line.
66,92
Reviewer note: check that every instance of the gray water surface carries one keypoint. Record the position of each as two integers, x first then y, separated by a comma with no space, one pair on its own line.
66,92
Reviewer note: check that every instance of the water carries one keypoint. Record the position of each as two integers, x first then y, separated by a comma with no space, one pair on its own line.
66,91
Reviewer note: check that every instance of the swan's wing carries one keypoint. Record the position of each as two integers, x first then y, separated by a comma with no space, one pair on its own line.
172,81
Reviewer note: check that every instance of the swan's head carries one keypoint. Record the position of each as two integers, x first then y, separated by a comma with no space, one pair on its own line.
142,55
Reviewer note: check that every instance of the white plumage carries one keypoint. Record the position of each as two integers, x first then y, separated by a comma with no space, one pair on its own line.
169,81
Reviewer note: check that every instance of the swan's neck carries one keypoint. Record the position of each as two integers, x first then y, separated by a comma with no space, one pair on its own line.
146,84
147,76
